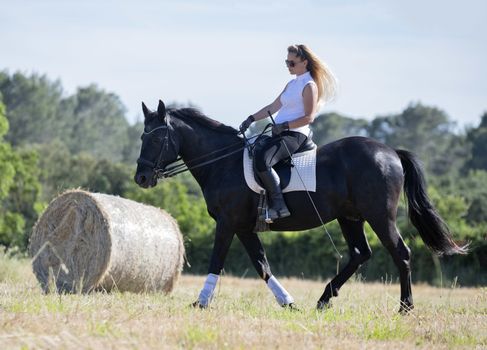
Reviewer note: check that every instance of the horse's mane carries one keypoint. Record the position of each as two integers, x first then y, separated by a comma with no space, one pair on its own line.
200,118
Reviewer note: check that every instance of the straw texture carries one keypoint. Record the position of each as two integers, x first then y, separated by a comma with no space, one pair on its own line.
90,241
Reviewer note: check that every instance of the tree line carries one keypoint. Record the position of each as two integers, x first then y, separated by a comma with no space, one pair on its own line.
50,142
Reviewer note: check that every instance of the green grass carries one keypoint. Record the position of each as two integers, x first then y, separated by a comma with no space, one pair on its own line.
243,315
14,270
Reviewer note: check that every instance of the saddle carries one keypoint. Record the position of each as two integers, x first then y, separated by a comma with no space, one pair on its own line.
282,169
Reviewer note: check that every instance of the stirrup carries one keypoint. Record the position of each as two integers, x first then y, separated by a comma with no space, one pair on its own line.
280,214
264,219
267,218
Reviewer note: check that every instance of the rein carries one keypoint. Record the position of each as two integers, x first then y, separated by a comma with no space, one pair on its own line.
174,168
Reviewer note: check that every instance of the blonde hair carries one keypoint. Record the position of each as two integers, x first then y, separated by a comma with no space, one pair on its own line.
320,72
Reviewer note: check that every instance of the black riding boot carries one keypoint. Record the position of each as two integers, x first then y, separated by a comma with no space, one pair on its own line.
277,205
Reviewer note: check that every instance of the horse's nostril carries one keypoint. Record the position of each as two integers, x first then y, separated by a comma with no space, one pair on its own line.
140,179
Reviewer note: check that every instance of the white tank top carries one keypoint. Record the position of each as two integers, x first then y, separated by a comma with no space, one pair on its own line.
292,102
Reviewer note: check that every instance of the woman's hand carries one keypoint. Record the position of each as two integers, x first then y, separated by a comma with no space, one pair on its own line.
246,123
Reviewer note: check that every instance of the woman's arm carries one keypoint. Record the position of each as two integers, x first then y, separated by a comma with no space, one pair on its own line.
261,114
273,108
310,100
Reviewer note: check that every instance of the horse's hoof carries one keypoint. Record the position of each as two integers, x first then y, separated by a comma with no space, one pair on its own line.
323,305
405,308
291,307
197,305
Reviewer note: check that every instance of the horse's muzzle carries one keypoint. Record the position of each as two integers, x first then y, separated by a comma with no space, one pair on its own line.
145,181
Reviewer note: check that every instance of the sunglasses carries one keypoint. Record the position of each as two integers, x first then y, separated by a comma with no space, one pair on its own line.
291,63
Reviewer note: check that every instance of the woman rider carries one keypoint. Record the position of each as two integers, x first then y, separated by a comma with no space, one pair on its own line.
296,107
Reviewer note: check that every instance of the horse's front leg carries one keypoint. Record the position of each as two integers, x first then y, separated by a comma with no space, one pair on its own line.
256,252
223,240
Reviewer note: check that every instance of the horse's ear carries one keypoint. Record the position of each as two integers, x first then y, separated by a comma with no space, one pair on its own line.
161,110
145,110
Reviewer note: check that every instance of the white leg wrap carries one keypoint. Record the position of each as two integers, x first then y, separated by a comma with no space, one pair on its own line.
282,296
206,294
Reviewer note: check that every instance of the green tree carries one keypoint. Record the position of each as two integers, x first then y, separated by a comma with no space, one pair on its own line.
131,150
60,170
478,140
329,127
32,108
19,191
91,120
10,223
7,171
426,131
473,188
23,203
108,177
98,124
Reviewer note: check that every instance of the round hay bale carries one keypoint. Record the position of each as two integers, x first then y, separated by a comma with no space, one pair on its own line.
86,241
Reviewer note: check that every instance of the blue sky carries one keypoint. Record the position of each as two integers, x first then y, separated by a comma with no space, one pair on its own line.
227,57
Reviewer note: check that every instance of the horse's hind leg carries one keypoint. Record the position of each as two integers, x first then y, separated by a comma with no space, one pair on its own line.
359,251
390,237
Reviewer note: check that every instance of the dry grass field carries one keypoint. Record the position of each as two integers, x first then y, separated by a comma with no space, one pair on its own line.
244,315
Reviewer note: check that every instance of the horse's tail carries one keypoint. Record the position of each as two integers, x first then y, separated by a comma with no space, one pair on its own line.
432,229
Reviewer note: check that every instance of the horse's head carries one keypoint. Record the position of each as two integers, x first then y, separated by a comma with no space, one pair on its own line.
159,146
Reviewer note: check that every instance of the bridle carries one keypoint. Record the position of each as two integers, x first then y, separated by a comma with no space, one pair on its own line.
156,166
173,168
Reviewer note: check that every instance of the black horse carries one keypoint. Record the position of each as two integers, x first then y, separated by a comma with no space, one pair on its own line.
358,180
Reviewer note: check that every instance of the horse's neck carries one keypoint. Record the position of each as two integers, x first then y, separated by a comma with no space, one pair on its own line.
200,144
